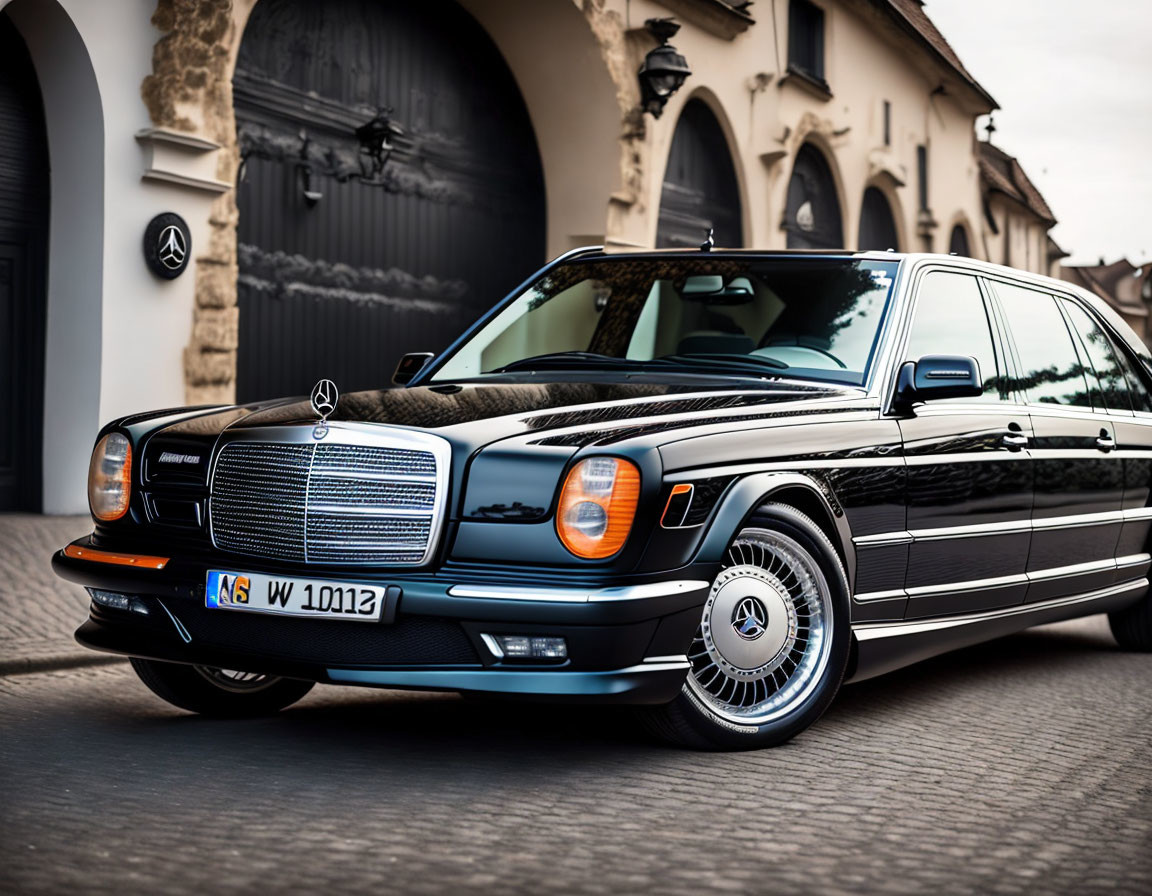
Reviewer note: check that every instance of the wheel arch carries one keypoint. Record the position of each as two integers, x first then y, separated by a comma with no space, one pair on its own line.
797,490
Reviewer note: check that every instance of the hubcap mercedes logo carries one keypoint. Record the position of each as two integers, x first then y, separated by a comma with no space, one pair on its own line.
750,618
324,398
171,249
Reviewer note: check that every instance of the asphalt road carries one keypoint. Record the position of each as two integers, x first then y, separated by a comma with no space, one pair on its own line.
1017,767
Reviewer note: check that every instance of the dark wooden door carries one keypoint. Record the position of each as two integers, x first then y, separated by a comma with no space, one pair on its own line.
23,238
812,217
402,260
700,188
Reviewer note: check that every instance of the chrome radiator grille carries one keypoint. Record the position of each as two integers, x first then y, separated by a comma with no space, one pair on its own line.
327,502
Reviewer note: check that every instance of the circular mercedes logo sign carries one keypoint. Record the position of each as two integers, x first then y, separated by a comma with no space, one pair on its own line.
167,245
324,398
171,249
750,618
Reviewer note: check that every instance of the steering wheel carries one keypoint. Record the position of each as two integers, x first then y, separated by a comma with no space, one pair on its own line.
810,348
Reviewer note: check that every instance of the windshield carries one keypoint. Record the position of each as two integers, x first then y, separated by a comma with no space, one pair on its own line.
803,317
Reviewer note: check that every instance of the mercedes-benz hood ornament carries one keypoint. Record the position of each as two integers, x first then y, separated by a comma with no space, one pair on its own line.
324,397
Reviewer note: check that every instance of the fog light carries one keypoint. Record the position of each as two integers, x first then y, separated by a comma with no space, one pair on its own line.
527,647
118,601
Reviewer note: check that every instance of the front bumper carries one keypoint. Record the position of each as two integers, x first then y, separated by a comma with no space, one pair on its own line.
626,641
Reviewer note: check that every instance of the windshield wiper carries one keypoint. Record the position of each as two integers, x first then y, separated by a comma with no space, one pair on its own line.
734,362
567,359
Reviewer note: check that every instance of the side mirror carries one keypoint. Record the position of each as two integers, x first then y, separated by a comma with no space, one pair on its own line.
410,365
936,376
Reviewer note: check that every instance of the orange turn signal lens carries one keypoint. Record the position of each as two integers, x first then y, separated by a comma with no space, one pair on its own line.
597,506
110,477
143,561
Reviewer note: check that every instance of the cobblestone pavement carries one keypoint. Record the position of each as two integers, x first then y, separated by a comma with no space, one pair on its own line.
39,612
1021,766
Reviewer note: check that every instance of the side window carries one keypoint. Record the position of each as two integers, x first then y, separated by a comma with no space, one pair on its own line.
1050,369
1141,399
950,319
1102,357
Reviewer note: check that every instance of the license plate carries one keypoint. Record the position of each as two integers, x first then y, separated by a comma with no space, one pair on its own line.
294,597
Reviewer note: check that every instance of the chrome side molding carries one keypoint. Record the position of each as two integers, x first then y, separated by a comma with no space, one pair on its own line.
884,646
1023,578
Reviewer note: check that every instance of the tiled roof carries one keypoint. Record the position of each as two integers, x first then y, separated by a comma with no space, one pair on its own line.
1000,172
911,13
1117,283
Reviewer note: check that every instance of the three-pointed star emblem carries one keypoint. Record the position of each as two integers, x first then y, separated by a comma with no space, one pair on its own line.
750,619
324,398
171,247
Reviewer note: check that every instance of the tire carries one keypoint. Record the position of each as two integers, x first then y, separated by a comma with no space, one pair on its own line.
219,693
773,643
1132,626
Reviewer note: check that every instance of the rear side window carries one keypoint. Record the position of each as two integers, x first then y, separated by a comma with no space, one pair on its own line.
950,319
1050,369
1102,356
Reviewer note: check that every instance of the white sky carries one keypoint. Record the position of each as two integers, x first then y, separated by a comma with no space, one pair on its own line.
1074,82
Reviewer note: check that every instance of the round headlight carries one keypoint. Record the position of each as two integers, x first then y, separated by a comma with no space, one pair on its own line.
110,477
597,506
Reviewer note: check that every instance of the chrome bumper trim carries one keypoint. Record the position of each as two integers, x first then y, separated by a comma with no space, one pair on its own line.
556,682
548,594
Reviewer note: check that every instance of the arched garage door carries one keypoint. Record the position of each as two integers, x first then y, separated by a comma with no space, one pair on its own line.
812,216
700,188
373,264
23,239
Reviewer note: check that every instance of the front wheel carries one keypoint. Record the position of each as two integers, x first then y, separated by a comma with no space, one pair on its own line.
773,641
223,693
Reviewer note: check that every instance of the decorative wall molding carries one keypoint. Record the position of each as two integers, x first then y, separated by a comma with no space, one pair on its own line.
183,159
714,16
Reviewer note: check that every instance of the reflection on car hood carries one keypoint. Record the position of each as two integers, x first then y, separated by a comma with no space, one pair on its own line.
531,406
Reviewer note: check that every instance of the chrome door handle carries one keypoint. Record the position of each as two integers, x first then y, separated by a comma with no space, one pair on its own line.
1105,442
1015,441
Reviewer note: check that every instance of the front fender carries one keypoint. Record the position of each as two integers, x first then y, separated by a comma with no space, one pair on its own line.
746,495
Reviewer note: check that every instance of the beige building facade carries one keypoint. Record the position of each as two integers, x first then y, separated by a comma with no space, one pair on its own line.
804,123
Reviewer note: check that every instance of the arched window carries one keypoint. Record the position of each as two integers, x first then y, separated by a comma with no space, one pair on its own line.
812,217
700,188
877,226
958,241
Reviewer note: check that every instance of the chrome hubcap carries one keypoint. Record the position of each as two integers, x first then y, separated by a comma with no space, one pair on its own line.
749,624
236,681
763,643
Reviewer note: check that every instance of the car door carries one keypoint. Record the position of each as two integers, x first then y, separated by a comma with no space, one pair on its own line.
1129,407
969,466
1079,492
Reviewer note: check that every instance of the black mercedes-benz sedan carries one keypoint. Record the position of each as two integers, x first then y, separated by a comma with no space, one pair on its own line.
713,484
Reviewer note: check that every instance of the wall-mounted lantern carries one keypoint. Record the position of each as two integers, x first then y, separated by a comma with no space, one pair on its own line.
664,70
377,143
